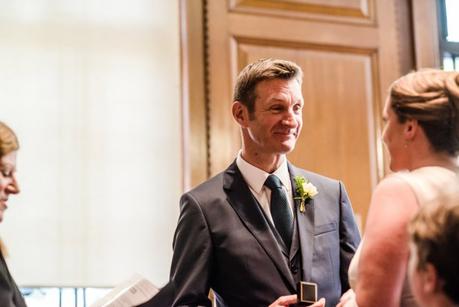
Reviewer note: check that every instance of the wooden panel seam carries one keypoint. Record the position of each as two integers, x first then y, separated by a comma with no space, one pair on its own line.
365,14
304,45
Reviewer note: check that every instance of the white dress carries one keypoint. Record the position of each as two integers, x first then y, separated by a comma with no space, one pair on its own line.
426,182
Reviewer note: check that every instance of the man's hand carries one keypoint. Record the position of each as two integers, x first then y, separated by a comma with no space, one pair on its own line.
319,303
292,299
285,301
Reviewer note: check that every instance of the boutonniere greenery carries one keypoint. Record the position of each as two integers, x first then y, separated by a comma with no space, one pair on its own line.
305,191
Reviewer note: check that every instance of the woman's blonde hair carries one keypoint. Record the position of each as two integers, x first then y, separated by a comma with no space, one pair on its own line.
8,140
431,97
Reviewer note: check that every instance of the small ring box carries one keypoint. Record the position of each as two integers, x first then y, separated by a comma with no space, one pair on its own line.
307,292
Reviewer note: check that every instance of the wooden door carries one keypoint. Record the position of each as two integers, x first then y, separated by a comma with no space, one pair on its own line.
350,52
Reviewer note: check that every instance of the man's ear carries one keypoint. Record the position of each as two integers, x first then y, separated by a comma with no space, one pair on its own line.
411,128
240,114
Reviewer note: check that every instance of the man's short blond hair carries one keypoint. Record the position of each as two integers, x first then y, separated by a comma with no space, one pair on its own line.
263,69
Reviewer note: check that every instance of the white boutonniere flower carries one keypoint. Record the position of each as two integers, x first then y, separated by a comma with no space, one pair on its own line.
305,191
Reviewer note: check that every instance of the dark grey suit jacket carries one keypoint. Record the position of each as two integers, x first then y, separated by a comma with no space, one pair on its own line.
223,241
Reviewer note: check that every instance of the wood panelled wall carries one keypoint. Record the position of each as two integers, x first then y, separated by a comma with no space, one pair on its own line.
350,52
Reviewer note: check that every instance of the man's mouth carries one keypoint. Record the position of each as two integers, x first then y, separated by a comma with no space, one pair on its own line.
286,133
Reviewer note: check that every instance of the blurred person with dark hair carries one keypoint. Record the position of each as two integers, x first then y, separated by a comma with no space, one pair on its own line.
433,268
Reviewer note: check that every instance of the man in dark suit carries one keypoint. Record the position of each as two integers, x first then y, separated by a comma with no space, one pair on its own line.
251,232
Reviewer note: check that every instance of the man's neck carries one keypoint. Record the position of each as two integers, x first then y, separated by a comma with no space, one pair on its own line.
268,163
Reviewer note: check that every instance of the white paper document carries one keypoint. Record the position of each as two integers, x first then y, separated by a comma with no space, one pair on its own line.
135,291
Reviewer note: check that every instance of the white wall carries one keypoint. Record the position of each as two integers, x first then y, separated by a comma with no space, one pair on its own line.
92,89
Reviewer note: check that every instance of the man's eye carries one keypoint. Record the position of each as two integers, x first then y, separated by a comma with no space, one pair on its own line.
297,107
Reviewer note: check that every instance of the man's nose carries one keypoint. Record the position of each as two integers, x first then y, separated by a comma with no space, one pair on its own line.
289,119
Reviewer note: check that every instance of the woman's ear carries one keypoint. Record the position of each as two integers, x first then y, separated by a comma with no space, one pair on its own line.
240,114
410,130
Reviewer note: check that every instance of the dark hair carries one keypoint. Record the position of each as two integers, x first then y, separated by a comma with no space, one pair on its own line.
263,69
435,232
432,98
8,140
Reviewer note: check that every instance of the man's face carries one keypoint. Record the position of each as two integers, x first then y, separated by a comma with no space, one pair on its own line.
276,122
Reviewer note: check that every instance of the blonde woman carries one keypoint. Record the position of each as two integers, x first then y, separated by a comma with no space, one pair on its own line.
422,136
9,292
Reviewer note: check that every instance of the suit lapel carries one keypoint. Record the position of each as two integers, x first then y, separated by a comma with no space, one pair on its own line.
305,222
295,239
241,199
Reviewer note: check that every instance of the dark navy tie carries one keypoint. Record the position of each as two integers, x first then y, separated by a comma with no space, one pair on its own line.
280,211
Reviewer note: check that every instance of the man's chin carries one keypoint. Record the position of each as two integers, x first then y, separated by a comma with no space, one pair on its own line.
287,148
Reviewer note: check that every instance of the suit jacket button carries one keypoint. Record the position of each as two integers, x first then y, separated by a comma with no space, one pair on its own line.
294,269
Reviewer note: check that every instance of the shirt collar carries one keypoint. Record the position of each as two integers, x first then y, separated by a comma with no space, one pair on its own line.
256,177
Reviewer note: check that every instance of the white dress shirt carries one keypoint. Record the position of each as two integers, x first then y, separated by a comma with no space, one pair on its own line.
255,179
